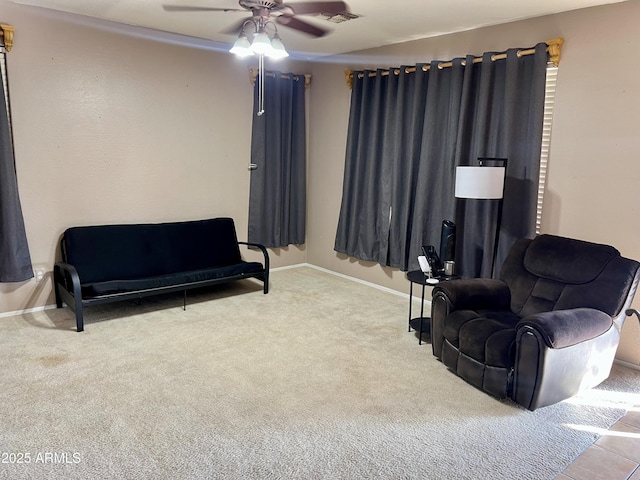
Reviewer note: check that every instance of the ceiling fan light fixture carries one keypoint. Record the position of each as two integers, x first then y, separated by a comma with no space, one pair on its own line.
242,47
278,50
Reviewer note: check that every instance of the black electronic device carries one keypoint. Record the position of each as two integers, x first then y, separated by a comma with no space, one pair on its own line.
448,241
432,257
447,249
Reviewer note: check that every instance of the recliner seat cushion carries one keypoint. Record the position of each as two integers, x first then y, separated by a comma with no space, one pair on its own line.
455,321
486,336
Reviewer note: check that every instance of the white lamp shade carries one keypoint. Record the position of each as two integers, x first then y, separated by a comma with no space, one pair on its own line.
480,182
242,47
262,44
278,50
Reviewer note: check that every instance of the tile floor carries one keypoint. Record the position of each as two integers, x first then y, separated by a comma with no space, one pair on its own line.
615,456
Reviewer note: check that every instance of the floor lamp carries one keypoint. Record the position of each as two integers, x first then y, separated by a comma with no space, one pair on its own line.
484,182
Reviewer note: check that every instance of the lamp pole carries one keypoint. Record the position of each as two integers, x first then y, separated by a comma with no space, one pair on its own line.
503,162
484,182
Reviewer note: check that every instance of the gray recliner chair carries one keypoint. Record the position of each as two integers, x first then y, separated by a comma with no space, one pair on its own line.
547,330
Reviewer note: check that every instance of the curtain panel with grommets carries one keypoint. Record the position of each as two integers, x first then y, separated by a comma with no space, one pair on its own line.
15,259
277,202
410,127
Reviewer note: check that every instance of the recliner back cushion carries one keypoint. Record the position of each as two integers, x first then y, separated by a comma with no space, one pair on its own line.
556,273
112,252
607,293
567,260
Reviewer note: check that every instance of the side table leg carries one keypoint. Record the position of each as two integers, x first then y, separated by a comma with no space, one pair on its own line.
421,316
410,302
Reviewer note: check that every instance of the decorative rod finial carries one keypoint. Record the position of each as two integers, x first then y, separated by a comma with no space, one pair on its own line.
348,74
555,47
253,74
7,32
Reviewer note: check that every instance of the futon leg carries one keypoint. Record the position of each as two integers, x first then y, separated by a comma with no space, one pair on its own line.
79,314
79,320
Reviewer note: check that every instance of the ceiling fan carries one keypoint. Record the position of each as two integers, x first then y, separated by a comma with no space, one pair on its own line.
283,13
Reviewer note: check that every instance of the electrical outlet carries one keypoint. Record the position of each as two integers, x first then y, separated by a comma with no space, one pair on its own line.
40,274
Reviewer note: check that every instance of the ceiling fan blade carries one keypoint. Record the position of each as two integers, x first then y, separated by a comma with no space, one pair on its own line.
302,26
185,8
310,8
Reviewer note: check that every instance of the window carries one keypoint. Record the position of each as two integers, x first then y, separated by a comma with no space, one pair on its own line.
549,99
3,67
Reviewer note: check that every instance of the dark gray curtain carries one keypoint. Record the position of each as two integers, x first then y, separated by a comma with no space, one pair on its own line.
504,119
408,132
277,203
15,261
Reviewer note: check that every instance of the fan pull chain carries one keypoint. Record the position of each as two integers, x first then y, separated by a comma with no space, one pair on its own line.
261,74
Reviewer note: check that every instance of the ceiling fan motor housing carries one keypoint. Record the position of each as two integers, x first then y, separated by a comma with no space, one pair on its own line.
253,4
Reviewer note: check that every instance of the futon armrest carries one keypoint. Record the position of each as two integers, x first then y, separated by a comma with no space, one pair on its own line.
563,328
475,294
262,249
66,275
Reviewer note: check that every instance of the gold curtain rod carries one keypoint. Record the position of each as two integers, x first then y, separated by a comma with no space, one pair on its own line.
253,73
6,31
554,48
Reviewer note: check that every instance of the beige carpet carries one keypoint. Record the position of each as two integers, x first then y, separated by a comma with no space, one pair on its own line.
319,379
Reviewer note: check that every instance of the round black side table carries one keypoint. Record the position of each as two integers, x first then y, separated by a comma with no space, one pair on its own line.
420,324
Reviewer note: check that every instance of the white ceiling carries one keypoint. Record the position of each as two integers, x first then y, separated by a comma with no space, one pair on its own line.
382,22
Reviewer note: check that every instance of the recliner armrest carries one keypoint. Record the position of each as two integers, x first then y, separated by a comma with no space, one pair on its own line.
633,311
563,328
475,294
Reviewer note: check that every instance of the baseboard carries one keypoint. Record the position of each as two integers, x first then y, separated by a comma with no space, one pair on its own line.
289,267
627,364
28,310
357,280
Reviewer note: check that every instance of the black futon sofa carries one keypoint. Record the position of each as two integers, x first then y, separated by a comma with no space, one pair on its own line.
109,263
